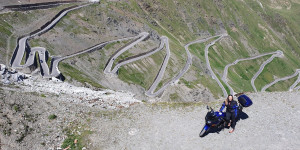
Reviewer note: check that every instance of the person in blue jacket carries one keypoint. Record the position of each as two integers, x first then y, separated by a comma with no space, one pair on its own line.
231,111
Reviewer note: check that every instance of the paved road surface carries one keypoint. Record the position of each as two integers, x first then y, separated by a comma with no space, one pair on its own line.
208,63
22,45
55,71
278,54
139,56
297,88
111,60
282,79
292,87
150,92
188,63
225,72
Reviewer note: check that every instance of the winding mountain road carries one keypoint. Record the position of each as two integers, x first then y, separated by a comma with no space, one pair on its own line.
23,46
225,72
208,63
293,86
111,60
139,56
150,92
282,79
188,63
57,59
279,53
297,88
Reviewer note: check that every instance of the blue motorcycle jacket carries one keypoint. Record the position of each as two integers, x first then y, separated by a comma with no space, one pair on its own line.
231,107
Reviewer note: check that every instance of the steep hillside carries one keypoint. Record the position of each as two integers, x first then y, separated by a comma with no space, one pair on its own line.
142,71
254,28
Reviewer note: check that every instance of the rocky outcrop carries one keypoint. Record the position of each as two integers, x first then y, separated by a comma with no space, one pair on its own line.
9,75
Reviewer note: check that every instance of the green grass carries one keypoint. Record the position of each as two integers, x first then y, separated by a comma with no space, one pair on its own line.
122,56
180,21
211,84
5,31
72,136
277,67
140,77
188,84
177,49
38,42
23,61
110,45
174,97
198,51
52,117
16,108
72,26
77,75
241,74
136,78
282,85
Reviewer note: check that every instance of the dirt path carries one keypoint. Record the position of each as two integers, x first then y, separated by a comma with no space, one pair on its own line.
272,123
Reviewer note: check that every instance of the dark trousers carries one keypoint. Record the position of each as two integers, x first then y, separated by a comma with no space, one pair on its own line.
230,116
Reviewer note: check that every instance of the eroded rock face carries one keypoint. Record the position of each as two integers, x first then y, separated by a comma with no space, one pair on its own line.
8,75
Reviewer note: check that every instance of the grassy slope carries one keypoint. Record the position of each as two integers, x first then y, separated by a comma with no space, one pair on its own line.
250,22
77,75
252,30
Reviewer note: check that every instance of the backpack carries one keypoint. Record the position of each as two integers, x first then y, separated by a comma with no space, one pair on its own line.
245,101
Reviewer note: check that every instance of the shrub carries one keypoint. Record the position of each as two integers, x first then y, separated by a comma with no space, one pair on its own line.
16,108
51,117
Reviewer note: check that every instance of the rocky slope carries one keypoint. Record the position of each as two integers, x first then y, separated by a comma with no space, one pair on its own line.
42,112
41,120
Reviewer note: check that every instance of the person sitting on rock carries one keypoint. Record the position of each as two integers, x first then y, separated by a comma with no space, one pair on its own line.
231,111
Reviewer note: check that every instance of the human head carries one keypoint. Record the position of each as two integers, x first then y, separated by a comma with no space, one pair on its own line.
230,97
